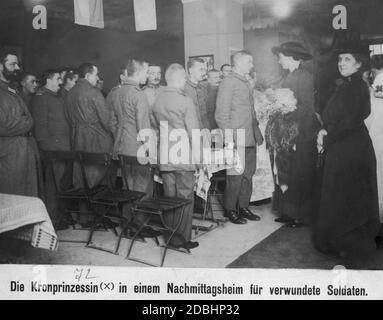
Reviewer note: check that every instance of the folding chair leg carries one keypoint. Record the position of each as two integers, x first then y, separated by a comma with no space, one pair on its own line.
126,228
173,232
93,229
104,220
123,231
205,209
109,222
166,248
136,235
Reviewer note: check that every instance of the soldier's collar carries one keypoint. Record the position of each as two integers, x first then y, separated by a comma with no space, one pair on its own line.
172,89
84,81
194,85
239,76
44,89
130,82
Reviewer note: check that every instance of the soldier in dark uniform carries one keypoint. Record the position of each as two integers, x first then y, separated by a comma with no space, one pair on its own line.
153,87
226,69
112,101
196,89
89,119
52,133
28,87
69,81
213,81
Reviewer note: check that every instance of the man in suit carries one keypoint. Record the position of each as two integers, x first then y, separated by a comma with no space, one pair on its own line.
235,110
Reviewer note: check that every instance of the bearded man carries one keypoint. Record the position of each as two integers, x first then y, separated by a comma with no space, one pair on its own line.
18,150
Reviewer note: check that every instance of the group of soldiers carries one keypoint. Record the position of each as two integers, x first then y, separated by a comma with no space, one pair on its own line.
69,112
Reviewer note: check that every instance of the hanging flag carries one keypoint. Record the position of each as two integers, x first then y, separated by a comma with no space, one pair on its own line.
145,15
89,13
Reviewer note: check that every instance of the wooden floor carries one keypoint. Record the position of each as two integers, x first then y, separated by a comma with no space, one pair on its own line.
217,248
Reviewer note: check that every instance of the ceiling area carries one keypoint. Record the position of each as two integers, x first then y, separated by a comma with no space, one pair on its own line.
306,7
118,14
313,15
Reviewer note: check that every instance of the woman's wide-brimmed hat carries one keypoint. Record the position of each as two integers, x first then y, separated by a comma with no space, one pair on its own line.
352,47
293,49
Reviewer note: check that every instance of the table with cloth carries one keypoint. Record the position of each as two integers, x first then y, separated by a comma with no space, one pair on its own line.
216,160
26,218
263,183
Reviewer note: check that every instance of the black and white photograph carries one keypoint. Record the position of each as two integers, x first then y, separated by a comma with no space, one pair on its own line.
229,135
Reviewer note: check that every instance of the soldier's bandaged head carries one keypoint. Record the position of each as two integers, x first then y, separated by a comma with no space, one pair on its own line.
236,57
175,75
135,65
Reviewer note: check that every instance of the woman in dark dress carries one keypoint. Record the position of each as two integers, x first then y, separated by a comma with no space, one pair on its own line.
348,218
296,203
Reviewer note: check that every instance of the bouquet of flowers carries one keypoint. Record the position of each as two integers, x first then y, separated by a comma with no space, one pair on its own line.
275,107
274,101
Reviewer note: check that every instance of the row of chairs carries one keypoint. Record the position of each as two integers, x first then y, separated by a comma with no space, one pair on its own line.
104,199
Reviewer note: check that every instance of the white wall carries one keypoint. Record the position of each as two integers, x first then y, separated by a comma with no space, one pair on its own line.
213,27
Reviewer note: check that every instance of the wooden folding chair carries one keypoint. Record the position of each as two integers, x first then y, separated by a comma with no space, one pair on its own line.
80,194
154,208
103,202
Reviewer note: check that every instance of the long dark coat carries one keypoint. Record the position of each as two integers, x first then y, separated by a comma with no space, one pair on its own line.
20,171
89,119
348,218
52,132
298,199
51,128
